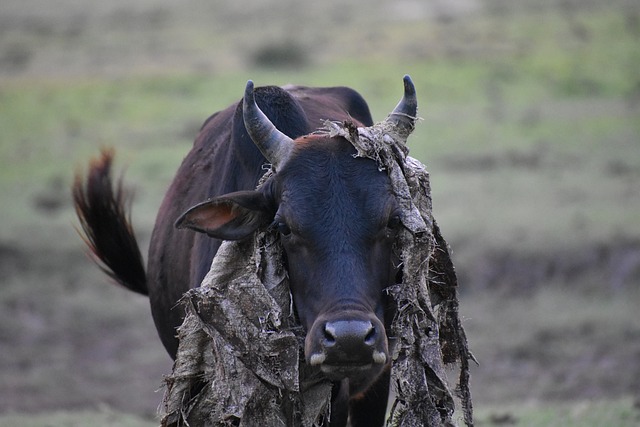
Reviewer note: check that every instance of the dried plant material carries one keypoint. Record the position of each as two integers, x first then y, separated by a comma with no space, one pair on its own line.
240,357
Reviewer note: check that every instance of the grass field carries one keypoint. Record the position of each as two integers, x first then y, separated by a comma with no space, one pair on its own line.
531,132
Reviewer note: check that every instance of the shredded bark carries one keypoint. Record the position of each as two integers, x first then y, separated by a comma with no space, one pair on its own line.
240,360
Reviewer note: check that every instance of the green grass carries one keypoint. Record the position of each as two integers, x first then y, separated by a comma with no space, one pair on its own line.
618,413
50,129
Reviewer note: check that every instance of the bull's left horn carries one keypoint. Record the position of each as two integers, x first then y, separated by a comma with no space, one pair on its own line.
404,115
274,145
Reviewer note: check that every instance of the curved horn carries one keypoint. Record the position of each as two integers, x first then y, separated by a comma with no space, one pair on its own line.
404,115
274,145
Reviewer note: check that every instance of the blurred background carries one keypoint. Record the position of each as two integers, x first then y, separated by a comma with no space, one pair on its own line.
530,130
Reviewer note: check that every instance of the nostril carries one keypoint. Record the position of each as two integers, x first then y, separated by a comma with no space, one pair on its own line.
329,335
370,338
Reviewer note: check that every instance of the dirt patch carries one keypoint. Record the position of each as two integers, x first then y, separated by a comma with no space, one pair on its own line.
11,259
554,346
611,266
73,340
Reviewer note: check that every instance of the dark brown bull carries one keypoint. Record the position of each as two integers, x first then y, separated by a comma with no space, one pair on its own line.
336,216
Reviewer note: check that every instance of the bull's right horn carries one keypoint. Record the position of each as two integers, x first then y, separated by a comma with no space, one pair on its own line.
404,115
274,145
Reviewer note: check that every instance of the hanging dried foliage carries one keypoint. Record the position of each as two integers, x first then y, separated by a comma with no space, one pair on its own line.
240,360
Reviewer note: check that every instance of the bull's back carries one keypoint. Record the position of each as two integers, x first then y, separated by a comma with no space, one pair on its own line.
332,103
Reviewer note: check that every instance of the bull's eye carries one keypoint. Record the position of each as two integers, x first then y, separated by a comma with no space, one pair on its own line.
394,222
282,228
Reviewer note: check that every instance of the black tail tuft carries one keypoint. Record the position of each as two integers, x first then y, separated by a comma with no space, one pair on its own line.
106,225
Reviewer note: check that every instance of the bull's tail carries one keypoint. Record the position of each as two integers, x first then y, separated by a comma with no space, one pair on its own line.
106,226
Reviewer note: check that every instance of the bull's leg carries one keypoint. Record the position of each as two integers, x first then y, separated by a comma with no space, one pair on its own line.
339,404
369,408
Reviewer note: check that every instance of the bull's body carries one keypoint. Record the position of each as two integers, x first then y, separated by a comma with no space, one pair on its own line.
224,159
338,209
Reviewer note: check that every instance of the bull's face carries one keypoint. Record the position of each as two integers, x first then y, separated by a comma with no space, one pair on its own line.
337,220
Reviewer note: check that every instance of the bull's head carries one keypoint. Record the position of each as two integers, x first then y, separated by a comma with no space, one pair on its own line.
338,220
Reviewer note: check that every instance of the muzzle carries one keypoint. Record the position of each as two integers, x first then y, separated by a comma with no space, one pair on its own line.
347,344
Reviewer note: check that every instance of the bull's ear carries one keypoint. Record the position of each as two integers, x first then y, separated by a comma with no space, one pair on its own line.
233,216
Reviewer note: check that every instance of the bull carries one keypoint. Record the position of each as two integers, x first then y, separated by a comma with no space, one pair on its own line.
335,213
